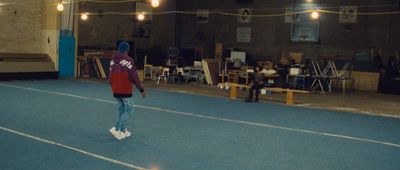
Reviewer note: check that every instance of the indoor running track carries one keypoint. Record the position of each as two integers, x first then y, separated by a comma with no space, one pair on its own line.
63,124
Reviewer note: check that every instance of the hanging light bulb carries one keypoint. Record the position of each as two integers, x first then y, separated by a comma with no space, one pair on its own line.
315,14
140,16
60,7
155,3
84,16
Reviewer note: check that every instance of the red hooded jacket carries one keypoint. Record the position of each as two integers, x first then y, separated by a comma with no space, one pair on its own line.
122,74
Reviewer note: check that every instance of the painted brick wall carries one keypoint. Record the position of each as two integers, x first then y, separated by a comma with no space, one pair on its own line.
21,27
50,31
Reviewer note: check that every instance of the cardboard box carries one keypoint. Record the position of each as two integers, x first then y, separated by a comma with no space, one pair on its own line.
296,56
294,71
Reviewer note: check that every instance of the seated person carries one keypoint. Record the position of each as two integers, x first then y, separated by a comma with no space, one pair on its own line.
269,72
256,85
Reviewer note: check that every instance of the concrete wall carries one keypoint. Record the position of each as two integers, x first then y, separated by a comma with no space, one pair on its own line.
270,35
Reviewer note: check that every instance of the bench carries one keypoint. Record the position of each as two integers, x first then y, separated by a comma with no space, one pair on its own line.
24,57
25,63
289,92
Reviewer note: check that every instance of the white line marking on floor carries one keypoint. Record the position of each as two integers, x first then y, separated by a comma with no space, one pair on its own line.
271,126
128,165
216,118
44,91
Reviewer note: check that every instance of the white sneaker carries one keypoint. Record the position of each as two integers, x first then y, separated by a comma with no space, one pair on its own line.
127,133
120,135
117,134
112,130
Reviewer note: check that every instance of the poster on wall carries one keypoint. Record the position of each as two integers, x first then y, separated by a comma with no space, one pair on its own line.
244,15
202,16
244,34
305,31
142,29
289,14
348,14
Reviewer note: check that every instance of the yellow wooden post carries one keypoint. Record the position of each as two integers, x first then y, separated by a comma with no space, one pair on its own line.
289,97
223,78
234,91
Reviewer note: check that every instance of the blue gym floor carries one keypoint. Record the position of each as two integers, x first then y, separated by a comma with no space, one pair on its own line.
63,124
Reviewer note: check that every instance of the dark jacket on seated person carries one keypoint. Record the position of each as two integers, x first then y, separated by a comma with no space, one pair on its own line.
256,85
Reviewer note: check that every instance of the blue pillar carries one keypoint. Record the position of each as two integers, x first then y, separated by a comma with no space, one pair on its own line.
66,54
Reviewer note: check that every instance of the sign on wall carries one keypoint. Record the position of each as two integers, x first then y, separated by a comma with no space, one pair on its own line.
348,14
142,29
202,16
244,15
244,34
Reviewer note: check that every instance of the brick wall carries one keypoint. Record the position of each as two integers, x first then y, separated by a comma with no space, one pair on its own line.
29,26
21,27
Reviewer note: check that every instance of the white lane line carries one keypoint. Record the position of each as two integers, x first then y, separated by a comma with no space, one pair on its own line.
217,118
44,91
128,165
272,126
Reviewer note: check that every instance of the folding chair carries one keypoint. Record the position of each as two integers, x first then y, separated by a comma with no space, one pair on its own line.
320,77
164,75
339,76
173,74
